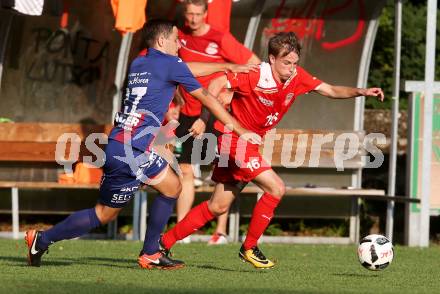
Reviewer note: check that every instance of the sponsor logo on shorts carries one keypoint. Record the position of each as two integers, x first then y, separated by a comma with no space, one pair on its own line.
117,198
124,195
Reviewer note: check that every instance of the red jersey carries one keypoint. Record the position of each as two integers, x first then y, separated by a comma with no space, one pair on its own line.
219,14
214,46
259,101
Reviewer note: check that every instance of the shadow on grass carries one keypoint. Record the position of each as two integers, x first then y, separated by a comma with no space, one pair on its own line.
132,264
22,261
123,263
353,275
211,267
105,286
110,262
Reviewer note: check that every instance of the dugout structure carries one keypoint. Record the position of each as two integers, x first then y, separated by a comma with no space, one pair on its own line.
67,75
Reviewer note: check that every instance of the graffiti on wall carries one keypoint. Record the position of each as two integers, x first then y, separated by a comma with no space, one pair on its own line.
309,21
65,57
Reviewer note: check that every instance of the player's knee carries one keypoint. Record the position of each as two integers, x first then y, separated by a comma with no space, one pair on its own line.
174,190
217,208
282,189
105,217
111,218
278,189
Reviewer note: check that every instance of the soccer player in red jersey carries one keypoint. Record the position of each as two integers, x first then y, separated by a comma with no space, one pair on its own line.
260,101
201,43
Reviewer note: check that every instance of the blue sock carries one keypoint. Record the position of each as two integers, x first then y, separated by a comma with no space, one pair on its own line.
160,212
75,225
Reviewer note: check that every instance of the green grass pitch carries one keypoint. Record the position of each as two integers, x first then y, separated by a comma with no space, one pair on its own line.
83,266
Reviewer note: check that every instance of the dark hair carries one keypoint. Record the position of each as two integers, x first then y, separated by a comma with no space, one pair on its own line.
284,43
203,3
153,29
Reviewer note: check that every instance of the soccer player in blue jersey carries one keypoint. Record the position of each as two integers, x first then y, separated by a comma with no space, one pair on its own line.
130,158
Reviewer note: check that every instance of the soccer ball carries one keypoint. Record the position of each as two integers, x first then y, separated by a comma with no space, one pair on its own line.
375,252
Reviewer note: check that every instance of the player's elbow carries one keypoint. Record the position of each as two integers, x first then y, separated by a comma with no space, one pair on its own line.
327,90
254,59
216,85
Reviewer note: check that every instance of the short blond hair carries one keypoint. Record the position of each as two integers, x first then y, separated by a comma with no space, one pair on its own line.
203,3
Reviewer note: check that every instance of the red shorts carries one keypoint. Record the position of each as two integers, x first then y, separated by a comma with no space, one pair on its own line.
239,160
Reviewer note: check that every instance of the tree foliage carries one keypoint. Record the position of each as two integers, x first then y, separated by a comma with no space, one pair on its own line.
412,54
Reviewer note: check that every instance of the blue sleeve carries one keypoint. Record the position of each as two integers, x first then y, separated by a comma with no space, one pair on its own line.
180,74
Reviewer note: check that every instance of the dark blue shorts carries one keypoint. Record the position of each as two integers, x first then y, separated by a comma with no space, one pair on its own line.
125,169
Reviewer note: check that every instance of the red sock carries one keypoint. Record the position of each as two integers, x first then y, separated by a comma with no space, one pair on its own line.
261,216
195,219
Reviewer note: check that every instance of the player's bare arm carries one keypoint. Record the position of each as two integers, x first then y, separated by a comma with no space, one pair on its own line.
254,59
342,92
206,68
178,99
216,86
218,111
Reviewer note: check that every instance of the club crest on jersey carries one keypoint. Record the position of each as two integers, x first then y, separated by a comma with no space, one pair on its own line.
212,48
265,101
289,98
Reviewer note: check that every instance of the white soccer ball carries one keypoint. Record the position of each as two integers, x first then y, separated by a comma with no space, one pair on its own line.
375,252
